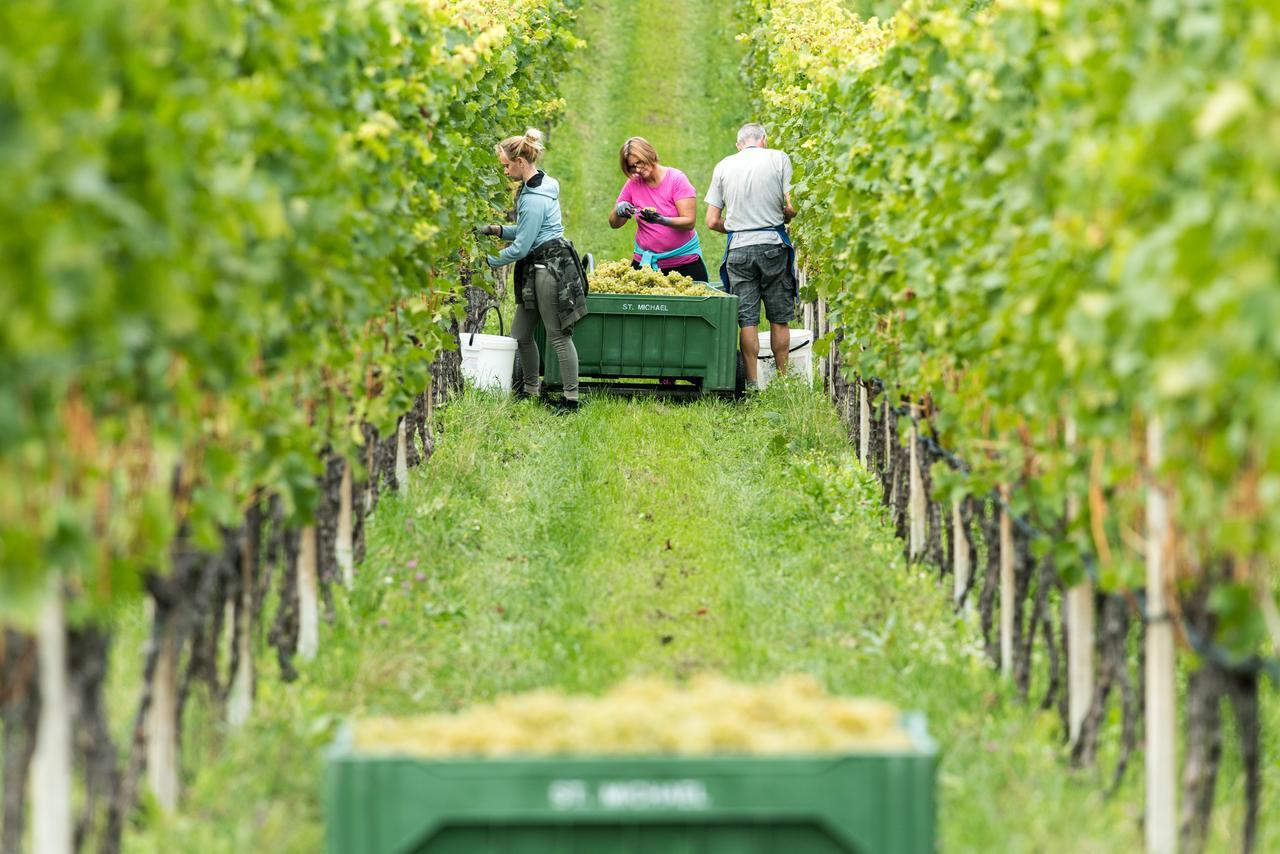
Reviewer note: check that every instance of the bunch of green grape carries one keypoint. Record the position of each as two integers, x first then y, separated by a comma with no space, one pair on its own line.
619,277
793,715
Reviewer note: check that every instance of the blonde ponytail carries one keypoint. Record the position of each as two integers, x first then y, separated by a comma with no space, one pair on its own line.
529,146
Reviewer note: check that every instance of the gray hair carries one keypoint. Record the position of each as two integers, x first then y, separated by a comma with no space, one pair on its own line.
751,132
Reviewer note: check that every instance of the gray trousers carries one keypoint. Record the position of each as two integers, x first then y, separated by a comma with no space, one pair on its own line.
526,320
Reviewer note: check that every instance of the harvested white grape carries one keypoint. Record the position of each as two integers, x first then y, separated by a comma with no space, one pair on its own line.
792,715
619,277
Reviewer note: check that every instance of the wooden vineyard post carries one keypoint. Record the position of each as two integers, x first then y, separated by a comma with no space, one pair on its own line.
824,363
372,475
1161,762
428,432
402,456
864,423
162,720
915,498
1007,591
51,764
888,442
888,459
308,595
1080,629
344,549
240,698
960,549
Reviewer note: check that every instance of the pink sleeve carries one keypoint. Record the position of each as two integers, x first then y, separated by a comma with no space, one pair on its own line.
625,194
682,188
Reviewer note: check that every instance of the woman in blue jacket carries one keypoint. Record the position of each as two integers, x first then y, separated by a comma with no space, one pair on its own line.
549,280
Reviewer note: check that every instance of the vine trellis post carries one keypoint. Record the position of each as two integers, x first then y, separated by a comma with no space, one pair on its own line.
162,719
372,473
1161,692
864,424
1007,586
344,550
916,497
240,626
402,456
809,310
888,451
824,363
51,764
308,594
962,564
1079,618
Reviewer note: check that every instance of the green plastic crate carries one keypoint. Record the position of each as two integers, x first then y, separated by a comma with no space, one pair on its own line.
626,336
879,802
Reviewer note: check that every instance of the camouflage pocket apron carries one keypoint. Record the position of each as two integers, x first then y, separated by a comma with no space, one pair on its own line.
562,261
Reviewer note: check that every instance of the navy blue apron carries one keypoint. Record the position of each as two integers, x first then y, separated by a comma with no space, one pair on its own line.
786,241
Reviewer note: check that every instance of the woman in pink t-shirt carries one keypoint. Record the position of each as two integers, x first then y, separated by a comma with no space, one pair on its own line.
663,202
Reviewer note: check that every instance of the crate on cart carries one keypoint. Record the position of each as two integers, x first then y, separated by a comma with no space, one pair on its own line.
628,337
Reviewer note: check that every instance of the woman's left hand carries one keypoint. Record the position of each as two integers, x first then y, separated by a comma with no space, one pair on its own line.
652,216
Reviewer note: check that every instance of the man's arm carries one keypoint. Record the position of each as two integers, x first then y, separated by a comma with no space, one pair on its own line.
715,219
715,202
788,209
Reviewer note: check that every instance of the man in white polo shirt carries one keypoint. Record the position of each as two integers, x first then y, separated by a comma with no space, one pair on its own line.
750,200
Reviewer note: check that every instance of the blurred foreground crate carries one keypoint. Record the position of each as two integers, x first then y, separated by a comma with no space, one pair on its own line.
880,802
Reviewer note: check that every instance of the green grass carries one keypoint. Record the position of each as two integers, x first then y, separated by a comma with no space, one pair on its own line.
542,552
639,537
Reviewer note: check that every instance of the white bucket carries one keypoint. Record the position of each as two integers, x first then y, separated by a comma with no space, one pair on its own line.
488,360
799,359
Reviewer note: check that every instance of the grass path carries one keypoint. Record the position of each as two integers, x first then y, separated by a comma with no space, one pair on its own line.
639,538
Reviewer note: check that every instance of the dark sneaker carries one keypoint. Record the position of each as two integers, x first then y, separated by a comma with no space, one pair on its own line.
564,406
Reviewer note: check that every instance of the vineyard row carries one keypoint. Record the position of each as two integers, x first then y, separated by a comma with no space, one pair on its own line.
243,237
1043,239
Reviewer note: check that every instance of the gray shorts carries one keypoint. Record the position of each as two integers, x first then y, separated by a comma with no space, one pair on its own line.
762,271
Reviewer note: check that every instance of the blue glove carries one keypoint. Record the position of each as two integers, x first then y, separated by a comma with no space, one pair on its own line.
624,210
